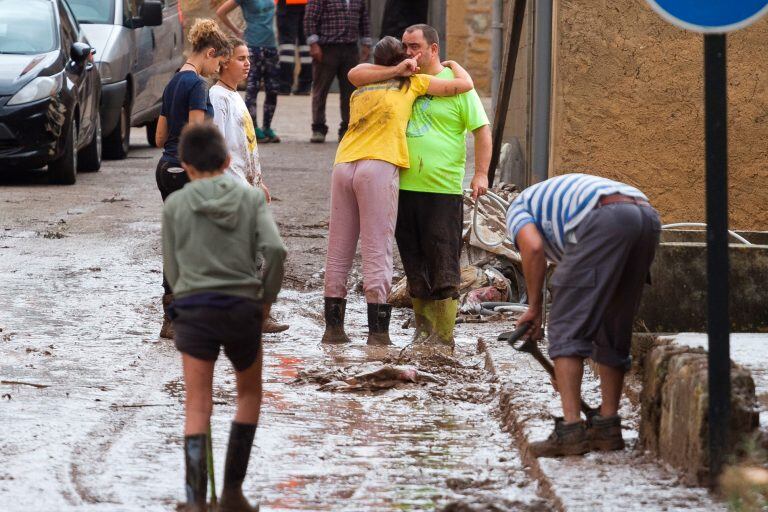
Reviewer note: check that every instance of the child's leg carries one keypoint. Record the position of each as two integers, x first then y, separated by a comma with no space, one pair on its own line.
344,229
198,380
249,392
376,186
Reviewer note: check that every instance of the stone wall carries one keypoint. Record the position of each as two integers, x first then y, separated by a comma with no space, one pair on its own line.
628,104
468,39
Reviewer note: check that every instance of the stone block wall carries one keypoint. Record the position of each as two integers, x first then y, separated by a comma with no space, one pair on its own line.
468,39
674,408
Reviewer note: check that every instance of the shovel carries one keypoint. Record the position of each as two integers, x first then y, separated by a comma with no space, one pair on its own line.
514,338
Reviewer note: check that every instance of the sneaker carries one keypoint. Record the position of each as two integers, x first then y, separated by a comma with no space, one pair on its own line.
604,433
317,137
566,439
260,136
270,135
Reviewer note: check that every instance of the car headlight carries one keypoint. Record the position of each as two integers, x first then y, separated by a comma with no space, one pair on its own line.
40,88
104,71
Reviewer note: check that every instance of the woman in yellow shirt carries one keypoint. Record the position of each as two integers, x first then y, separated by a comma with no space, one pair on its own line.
365,185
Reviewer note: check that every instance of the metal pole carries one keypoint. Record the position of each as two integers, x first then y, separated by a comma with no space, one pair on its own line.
718,326
542,91
505,87
497,49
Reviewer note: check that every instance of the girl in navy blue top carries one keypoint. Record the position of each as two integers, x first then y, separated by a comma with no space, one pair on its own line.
185,100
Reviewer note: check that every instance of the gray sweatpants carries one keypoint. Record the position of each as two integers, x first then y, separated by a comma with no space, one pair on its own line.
596,288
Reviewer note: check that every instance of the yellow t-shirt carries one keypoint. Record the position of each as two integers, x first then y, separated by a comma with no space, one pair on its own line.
379,115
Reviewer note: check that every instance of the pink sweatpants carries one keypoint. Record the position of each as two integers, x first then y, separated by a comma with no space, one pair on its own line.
363,205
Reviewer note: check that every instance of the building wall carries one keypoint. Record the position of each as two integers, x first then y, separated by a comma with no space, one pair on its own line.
468,39
628,104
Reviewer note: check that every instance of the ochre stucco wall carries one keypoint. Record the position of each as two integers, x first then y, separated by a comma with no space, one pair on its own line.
468,39
628,104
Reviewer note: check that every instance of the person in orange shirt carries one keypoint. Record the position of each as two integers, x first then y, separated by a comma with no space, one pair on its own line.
365,183
290,34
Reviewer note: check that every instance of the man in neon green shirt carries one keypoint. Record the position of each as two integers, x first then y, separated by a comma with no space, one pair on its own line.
430,216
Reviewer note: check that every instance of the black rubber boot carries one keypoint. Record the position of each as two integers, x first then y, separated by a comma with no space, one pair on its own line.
378,324
335,310
238,452
195,452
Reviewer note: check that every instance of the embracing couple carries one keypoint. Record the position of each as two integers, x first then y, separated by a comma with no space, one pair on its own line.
399,171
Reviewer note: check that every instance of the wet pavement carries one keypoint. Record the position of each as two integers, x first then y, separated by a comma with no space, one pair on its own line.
92,400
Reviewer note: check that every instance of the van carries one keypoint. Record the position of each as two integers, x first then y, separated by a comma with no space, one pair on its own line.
139,46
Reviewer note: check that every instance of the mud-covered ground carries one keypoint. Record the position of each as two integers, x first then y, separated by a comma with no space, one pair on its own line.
91,403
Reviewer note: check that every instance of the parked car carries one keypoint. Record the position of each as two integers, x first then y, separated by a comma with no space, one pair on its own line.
50,91
139,46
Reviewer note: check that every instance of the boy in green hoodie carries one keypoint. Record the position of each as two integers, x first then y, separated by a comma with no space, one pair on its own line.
214,233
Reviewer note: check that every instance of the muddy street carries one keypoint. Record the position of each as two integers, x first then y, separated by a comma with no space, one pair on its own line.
92,398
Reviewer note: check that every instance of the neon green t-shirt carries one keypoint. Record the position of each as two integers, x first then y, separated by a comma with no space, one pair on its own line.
437,142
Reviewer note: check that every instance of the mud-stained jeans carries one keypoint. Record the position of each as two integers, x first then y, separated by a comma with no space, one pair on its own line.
363,205
338,60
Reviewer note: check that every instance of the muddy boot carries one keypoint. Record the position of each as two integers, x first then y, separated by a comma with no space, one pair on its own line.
442,315
238,452
166,331
272,326
195,448
378,324
335,309
566,439
604,433
422,326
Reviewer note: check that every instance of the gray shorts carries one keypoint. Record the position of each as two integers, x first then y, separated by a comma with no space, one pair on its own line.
596,288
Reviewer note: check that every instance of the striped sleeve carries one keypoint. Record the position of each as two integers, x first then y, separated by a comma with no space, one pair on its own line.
517,217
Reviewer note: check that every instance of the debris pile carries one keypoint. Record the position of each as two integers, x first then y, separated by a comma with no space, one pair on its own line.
367,377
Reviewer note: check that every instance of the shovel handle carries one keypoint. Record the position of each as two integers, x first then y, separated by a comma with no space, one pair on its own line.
514,337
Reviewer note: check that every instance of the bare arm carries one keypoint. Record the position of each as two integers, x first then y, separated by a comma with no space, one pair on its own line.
196,116
531,247
461,82
223,15
161,134
483,149
365,74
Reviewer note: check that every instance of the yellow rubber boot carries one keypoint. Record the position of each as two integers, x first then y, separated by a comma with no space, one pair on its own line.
442,314
422,324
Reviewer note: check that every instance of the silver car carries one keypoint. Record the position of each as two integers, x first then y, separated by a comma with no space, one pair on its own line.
139,46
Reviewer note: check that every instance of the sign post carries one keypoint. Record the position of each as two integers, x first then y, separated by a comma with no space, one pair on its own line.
714,18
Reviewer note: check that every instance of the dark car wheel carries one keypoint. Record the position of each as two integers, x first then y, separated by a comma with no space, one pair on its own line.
89,159
117,143
151,132
64,170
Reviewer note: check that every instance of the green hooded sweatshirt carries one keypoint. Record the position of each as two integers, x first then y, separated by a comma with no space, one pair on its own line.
214,232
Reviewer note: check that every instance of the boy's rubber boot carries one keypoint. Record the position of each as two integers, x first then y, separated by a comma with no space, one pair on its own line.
422,326
196,481
566,439
378,324
604,433
166,331
238,452
442,315
335,310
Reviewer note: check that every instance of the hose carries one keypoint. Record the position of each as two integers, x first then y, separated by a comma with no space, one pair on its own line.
704,225
493,198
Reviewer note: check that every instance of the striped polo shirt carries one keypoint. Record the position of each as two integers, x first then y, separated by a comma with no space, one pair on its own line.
556,206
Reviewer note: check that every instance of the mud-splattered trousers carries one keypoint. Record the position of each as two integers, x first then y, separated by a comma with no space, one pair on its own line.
338,60
363,205
264,68
290,33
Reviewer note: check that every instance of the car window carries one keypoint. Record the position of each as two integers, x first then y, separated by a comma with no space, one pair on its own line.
27,27
70,15
69,29
93,11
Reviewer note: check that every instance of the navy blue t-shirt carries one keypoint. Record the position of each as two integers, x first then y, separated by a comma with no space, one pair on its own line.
186,91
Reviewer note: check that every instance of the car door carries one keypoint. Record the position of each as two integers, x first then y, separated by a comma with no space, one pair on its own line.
83,77
142,60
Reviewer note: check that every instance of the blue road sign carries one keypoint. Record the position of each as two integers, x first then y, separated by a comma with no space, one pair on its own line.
710,16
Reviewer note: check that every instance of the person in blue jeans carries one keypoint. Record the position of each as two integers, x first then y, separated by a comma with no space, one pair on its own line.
259,34
185,101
